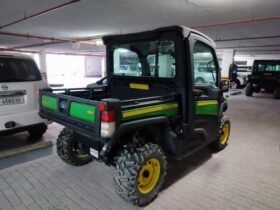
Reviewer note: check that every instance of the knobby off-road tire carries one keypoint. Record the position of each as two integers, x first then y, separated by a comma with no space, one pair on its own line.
224,130
249,89
276,93
140,173
68,149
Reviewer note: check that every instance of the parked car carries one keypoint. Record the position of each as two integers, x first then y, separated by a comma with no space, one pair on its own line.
238,76
133,122
20,81
265,76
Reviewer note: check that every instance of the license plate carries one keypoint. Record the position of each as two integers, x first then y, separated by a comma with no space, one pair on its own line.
11,100
94,153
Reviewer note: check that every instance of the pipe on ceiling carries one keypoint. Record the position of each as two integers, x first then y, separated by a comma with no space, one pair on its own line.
233,22
55,53
240,47
39,44
29,36
247,38
39,13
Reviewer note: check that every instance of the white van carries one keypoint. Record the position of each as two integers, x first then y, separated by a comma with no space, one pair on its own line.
20,81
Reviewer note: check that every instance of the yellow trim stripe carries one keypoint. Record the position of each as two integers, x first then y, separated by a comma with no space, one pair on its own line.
156,108
206,103
139,86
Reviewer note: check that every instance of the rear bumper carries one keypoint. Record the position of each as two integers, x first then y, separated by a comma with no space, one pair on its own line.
21,120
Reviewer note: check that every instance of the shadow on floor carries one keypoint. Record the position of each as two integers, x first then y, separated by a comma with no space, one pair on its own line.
15,141
8,142
177,169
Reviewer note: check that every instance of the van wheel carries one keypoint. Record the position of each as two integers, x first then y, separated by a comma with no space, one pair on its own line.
249,89
222,140
69,150
37,131
140,173
276,93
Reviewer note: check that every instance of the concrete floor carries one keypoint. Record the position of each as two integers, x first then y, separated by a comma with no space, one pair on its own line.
243,176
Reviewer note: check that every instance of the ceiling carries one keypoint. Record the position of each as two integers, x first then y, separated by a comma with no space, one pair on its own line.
254,23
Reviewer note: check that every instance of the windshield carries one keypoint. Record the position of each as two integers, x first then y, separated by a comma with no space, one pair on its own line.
18,70
147,59
267,66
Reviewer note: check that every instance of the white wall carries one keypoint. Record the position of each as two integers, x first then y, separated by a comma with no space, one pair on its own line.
250,58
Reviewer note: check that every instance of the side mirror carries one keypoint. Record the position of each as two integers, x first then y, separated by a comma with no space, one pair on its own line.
224,85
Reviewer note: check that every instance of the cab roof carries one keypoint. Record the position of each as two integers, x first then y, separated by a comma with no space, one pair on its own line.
183,30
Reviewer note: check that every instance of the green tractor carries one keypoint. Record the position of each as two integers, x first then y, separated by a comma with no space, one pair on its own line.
151,106
265,76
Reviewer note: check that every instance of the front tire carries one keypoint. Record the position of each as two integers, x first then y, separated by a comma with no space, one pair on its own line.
140,173
221,142
276,93
69,150
249,89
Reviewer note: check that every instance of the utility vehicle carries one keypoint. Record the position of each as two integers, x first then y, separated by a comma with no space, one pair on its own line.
136,120
20,81
265,76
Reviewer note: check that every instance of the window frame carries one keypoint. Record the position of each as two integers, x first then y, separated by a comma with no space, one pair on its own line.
211,49
110,57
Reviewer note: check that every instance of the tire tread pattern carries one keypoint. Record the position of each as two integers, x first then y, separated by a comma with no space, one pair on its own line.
65,151
127,168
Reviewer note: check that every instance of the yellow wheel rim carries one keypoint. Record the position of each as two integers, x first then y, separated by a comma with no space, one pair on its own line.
149,176
224,134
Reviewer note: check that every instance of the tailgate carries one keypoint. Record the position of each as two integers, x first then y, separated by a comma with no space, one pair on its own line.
77,113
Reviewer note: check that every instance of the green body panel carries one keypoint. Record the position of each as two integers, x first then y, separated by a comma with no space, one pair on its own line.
169,109
83,112
207,107
49,102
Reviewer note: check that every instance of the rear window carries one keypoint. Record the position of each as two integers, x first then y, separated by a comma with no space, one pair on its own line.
18,70
145,59
267,66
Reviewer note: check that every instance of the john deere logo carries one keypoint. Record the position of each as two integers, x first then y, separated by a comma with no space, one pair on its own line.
89,112
4,87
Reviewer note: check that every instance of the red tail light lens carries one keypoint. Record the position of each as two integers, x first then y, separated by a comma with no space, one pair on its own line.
108,116
102,107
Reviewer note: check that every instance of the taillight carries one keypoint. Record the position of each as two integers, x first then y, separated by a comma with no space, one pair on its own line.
108,121
37,92
108,116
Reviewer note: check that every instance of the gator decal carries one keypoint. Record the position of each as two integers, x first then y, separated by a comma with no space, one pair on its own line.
207,107
169,109
139,86
49,102
83,112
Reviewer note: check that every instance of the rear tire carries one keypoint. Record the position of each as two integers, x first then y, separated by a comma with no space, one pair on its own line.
69,150
221,142
249,89
276,93
37,131
140,173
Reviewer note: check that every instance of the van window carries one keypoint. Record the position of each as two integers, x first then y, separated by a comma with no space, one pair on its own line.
18,70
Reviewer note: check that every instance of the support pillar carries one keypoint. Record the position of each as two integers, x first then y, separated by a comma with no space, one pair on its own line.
228,58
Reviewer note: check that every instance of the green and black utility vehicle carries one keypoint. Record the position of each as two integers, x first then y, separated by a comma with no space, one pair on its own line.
265,76
149,108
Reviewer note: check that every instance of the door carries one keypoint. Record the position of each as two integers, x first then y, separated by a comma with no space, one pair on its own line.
207,95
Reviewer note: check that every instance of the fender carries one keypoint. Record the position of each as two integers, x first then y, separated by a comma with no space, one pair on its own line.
223,108
128,126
